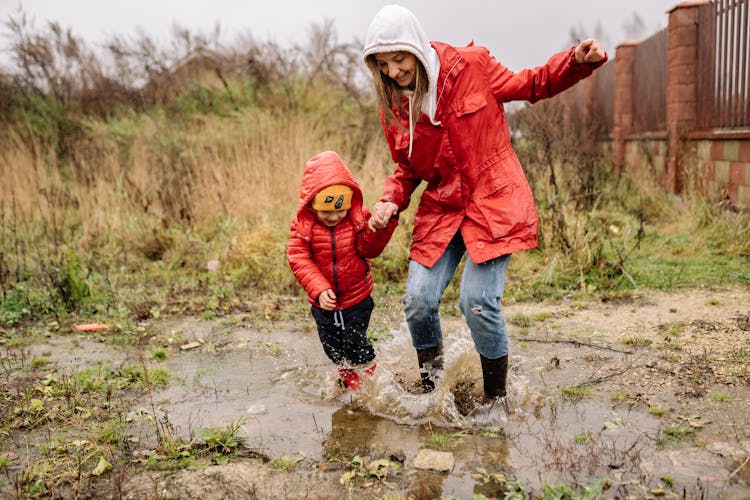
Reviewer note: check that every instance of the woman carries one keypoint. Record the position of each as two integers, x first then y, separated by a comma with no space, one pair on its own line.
442,113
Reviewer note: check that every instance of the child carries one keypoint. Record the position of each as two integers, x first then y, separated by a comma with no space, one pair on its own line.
329,244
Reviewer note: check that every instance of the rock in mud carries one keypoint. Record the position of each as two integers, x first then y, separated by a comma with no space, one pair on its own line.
440,461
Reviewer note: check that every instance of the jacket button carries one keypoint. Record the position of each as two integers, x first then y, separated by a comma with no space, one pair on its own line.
480,244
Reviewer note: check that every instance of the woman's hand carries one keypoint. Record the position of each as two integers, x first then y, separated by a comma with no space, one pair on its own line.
381,214
327,300
589,51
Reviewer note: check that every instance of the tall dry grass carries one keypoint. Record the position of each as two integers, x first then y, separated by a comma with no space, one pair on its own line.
247,166
127,202
184,174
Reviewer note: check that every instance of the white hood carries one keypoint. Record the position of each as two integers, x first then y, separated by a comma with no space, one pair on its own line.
396,28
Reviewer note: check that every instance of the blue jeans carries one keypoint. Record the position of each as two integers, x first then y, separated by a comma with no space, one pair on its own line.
482,288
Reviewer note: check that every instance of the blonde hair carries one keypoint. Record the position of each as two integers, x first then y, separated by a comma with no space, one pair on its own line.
390,93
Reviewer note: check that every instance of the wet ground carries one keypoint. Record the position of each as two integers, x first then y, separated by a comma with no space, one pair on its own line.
647,397
630,391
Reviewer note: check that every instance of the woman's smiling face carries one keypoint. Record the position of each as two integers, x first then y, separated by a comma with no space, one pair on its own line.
401,66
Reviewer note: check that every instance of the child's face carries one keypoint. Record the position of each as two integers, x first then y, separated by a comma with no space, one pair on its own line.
331,217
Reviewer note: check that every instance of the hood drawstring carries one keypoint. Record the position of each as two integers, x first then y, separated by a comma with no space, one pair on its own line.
338,319
411,124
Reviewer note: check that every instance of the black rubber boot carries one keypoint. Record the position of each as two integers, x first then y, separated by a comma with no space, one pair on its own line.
430,360
495,374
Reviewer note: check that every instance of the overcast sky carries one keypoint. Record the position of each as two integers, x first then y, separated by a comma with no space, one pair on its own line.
520,33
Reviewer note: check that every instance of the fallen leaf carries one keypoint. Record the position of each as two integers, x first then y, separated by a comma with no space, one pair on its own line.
102,467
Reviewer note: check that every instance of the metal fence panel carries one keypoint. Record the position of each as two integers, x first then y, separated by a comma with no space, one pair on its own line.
724,64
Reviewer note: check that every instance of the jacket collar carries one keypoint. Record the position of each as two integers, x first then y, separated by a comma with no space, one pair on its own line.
451,65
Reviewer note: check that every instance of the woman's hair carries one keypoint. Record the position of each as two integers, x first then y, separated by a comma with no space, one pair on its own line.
390,93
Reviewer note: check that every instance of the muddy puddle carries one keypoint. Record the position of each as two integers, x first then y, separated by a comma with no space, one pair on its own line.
283,392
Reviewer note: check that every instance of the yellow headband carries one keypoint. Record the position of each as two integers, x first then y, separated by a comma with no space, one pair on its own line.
336,197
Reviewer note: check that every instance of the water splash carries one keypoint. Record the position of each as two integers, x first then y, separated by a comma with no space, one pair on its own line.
393,393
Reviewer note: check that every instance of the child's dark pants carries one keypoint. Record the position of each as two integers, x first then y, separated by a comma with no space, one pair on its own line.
346,343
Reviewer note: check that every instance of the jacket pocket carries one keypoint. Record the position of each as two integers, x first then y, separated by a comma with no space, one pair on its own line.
470,104
506,209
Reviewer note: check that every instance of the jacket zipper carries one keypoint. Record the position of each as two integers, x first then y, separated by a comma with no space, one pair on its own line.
338,316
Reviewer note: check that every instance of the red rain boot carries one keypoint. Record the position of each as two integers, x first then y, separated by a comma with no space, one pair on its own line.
349,378
369,371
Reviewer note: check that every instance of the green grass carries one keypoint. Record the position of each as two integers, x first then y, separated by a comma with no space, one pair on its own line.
521,320
636,341
443,440
678,432
722,397
574,392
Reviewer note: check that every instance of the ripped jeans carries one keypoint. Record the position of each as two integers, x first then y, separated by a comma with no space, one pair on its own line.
482,288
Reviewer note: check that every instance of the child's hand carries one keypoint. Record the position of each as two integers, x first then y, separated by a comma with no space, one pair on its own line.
381,214
327,300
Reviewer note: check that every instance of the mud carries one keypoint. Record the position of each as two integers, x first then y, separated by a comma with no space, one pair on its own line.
642,369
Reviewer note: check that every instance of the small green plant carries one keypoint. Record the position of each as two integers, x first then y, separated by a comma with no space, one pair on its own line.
146,377
442,440
273,349
722,397
672,358
636,341
574,391
15,305
620,395
208,315
286,462
668,480
223,443
174,453
542,316
657,410
521,320
379,334
39,362
673,329
675,346
554,492
582,438
714,302
678,432
159,353
514,490
112,432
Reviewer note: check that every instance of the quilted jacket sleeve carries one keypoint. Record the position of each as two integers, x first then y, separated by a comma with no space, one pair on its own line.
370,244
303,266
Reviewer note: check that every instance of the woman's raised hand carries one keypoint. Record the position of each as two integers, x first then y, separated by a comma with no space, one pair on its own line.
589,51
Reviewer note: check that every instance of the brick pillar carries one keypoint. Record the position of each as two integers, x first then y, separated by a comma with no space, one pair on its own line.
682,87
623,119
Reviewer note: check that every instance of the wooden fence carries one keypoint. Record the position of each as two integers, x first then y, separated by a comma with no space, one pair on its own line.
650,84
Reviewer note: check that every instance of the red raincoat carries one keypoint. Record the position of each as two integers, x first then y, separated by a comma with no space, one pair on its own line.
334,258
475,182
